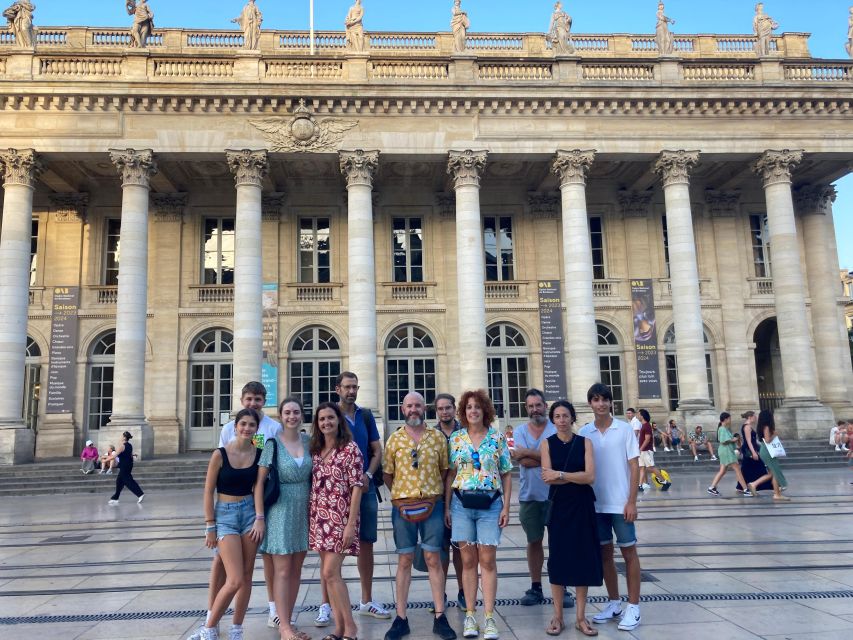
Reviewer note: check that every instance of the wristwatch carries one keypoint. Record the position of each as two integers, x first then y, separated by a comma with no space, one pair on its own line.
561,475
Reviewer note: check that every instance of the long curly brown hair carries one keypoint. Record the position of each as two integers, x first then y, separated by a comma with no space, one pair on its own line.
482,398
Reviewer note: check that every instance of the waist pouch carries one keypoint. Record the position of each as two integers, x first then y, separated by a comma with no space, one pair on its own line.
477,498
415,509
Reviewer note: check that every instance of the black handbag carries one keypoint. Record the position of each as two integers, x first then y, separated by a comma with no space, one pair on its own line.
271,487
479,499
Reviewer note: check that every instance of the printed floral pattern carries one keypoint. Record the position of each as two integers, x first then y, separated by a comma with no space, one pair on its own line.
332,481
493,455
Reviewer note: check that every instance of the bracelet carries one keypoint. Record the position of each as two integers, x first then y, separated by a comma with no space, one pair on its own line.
561,475
209,529
260,517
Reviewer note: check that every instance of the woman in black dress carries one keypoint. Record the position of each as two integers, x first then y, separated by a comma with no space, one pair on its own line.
574,550
751,464
124,455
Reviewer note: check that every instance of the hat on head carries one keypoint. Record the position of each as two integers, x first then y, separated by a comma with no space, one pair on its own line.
89,443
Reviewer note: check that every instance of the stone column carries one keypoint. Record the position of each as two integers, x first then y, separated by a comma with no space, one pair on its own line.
581,336
136,169
20,173
674,169
249,169
802,410
466,167
359,168
814,204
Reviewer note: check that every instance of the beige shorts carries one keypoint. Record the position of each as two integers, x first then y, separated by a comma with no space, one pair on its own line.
647,459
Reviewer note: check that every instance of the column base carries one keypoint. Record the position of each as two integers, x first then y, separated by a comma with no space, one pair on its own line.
803,419
17,444
167,435
143,434
56,436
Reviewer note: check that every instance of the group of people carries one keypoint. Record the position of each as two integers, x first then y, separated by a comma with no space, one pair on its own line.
841,435
451,490
91,459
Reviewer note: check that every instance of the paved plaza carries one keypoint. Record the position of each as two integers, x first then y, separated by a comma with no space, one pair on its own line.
719,568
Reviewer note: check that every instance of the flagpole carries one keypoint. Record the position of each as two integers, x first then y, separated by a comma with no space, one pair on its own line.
312,26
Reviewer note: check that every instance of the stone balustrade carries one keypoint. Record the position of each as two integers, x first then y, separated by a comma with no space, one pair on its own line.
213,293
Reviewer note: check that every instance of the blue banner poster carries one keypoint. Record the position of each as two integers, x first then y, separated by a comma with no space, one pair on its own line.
269,366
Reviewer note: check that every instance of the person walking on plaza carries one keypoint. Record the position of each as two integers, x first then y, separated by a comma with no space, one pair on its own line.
634,421
477,497
533,492
617,475
766,426
286,540
445,410
253,396
415,469
647,456
366,436
88,457
124,457
751,466
574,551
726,448
337,479
235,524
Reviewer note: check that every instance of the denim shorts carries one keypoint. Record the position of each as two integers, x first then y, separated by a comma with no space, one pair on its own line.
369,515
478,526
608,523
430,531
235,518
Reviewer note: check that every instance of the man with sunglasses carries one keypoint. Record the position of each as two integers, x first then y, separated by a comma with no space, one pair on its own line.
415,466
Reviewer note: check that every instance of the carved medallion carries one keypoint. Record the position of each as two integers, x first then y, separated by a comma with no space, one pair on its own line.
303,132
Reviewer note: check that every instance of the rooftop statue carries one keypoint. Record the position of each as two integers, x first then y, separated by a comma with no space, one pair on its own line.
459,24
354,27
143,22
762,26
20,17
849,44
663,36
560,31
249,21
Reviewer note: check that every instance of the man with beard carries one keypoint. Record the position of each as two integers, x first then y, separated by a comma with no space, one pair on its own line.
415,468
533,492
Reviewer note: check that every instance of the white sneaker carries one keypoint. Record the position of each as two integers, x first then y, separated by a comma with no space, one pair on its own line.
837,447
236,633
631,619
695,458
272,621
713,457
667,449
645,486
470,628
844,447
490,629
612,611
324,615
112,502
373,609
209,634
141,498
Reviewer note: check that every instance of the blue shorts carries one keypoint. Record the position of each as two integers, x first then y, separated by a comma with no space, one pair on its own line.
430,531
608,523
234,518
476,526
369,515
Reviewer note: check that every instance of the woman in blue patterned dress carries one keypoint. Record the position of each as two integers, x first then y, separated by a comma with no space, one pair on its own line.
287,520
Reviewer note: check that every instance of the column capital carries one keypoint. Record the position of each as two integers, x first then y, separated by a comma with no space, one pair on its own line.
271,205
573,166
359,167
815,199
723,204
249,166
775,167
674,167
466,167
135,167
21,166
69,207
635,204
169,207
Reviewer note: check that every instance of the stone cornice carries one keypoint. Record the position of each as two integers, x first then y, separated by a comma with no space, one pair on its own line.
722,204
775,167
359,167
466,167
815,199
674,167
21,167
135,167
634,204
249,167
69,207
573,166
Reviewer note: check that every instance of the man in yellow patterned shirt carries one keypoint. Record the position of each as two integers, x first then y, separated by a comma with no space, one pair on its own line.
415,466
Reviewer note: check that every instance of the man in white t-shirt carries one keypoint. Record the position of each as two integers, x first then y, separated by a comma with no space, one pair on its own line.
636,425
838,436
617,475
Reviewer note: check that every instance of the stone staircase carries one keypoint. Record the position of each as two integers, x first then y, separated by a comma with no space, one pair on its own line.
187,471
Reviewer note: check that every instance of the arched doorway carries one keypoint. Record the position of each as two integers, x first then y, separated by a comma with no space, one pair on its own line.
210,381
768,365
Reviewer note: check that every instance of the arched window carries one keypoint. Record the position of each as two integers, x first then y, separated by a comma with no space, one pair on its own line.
409,366
211,358
610,365
99,373
314,364
32,384
672,367
506,359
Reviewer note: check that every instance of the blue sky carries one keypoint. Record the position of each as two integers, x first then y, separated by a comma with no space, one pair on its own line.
826,20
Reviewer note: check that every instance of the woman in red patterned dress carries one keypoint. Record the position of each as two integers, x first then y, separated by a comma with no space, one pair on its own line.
333,518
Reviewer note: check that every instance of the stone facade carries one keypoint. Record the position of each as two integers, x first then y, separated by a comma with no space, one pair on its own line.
405,200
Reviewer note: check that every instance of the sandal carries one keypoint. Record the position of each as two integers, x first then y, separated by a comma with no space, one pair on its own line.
300,635
555,628
585,628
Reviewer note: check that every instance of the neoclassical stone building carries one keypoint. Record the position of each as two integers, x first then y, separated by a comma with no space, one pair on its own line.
177,216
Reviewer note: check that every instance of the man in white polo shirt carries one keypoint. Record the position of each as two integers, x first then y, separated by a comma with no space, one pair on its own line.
617,474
